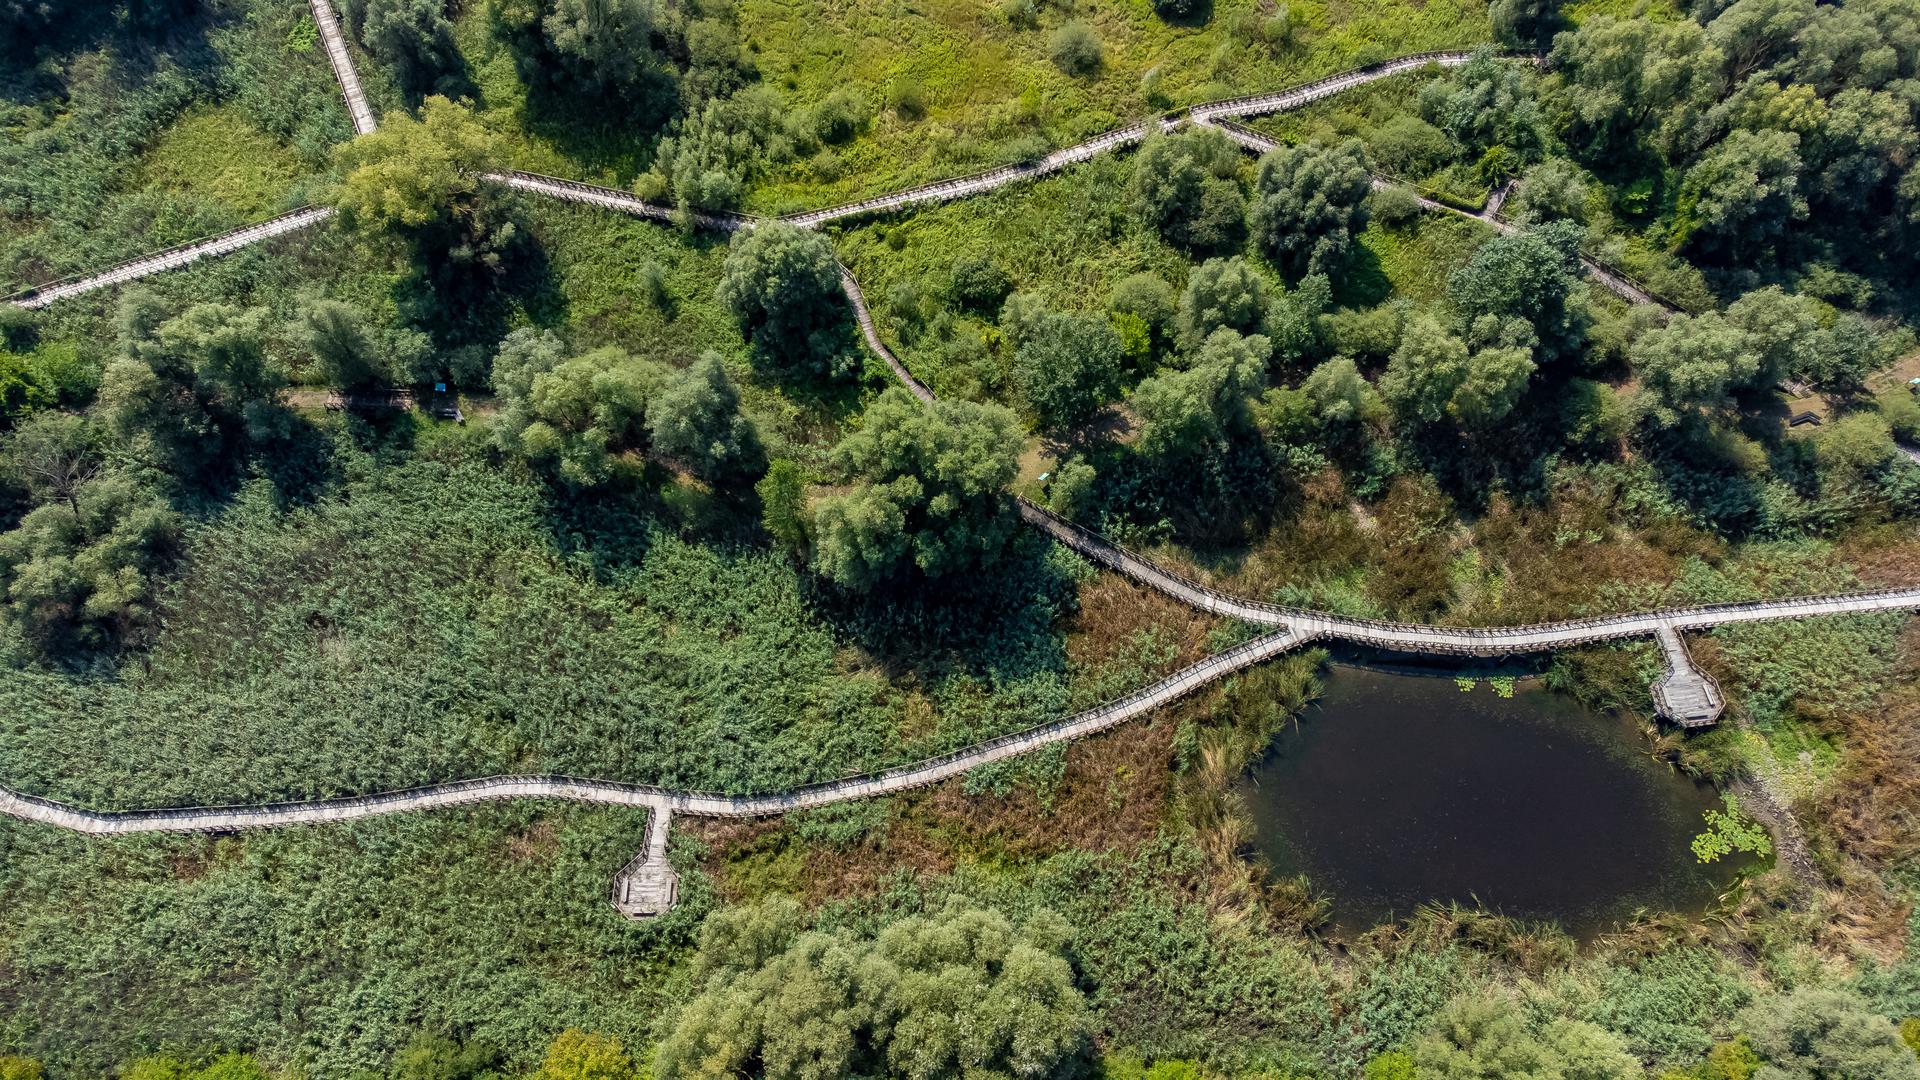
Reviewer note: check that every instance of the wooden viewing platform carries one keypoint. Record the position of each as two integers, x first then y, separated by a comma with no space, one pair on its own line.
1685,695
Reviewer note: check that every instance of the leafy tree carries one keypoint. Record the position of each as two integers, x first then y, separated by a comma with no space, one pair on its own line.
1184,185
434,1057
783,502
1742,195
580,1055
1525,24
1554,190
695,416
201,384
979,284
1819,1034
605,48
1221,294
1070,492
783,285
52,455
337,336
1754,34
19,327
930,491
1076,48
573,415
1066,365
1692,366
1340,394
410,174
1409,146
1486,1039
1190,411
1435,375
1533,276
959,992
1308,202
1149,298
1854,446
1485,104
412,39
419,181
78,574
1625,80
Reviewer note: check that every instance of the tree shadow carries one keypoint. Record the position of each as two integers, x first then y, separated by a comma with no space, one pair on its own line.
997,623
1363,280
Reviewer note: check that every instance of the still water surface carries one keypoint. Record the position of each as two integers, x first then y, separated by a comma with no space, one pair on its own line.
1399,789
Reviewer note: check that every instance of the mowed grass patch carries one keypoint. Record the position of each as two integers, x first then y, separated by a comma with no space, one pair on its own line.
216,154
984,80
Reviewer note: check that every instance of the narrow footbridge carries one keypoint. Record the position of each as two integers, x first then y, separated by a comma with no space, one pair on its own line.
147,265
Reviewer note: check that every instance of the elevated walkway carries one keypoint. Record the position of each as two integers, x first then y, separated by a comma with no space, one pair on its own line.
1685,695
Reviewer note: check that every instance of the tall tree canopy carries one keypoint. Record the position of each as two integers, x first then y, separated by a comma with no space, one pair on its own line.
930,491
783,285
1308,201
1184,185
960,992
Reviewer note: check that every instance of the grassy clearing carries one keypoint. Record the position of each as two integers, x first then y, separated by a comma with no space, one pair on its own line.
119,146
985,80
216,155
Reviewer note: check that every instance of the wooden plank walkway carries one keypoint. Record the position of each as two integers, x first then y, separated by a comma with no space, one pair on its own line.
41,295
328,23
364,121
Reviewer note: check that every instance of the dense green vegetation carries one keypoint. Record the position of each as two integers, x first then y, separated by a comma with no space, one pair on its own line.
687,532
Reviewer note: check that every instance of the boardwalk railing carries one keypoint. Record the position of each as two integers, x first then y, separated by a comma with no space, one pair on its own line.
612,198
1295,96
328,23
609,792
864,318
1447,640
40,296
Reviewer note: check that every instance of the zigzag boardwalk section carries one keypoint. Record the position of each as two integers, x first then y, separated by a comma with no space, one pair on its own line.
328,23
41,295
364,121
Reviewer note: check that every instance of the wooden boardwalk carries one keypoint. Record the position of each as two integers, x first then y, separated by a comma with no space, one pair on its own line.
146,265
328,23
647,885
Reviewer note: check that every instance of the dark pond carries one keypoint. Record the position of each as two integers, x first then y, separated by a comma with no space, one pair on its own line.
1400,789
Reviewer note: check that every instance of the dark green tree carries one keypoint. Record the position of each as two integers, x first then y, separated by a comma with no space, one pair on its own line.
1308,201
1067,365
959,992
783,285
694,416
1741,197
1184,185
78,574
930,491
1222,293
200,386
413,40
1535,276
1188,412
